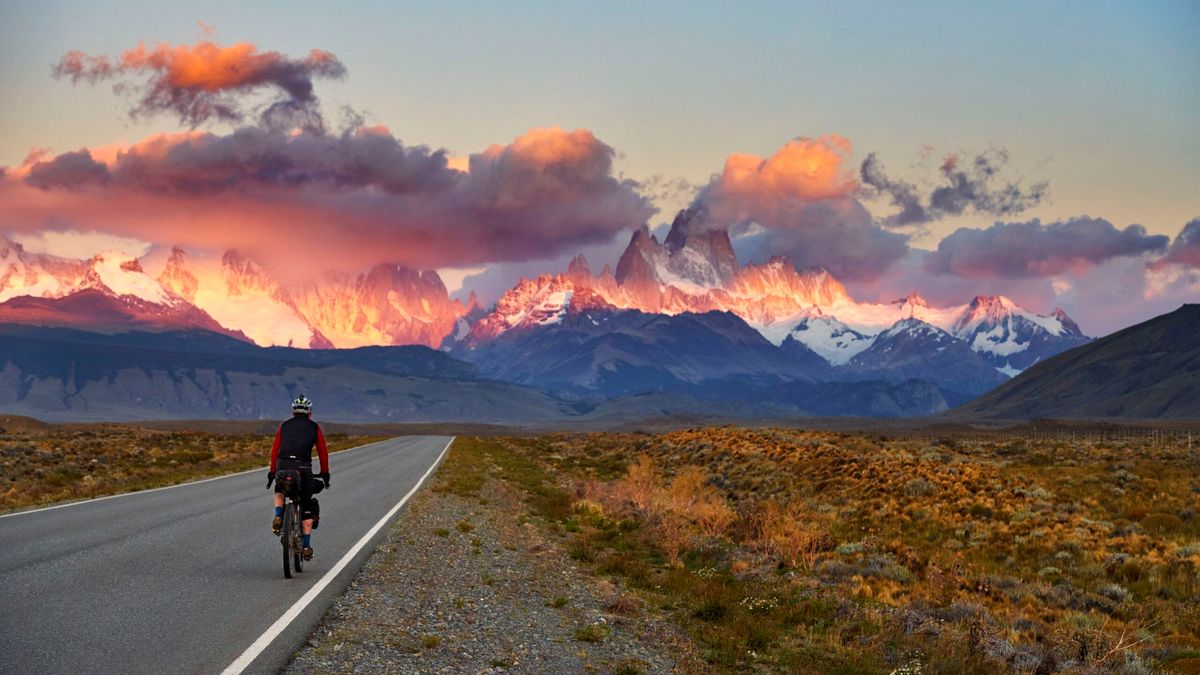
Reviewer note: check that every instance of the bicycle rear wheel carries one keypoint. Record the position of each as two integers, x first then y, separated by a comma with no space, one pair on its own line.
289,533
298,542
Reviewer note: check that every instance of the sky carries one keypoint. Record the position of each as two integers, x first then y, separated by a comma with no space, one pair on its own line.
1067,122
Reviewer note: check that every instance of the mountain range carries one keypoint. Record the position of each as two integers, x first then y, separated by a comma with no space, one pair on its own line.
64,374
682,316
386,305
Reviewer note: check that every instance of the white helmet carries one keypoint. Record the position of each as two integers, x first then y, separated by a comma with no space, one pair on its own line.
302,405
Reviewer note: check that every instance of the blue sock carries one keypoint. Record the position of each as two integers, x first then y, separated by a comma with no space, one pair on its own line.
307,541
278,511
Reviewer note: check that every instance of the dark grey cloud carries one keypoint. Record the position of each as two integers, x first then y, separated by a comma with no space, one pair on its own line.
838,235
973,186
1033,249
1185,250
69,170
206,81
348,200
903,196
255,157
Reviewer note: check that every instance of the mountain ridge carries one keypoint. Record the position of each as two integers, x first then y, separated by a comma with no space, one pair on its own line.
1150,370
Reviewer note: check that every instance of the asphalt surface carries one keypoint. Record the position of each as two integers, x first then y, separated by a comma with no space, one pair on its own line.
184,580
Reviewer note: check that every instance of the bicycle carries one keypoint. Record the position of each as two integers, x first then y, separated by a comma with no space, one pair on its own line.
290,535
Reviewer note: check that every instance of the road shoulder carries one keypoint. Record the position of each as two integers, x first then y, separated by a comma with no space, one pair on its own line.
468,583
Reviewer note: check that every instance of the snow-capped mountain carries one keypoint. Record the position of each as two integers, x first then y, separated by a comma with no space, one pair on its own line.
689,273
914,349
387,305
23,273
1011,338
806,314
108,293
833,340
821,332
696,270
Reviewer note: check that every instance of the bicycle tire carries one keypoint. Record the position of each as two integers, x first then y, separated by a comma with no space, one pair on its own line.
286,541
298,543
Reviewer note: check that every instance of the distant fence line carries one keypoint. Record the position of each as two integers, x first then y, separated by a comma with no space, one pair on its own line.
1142,436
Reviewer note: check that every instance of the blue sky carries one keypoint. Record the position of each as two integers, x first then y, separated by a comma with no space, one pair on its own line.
1099,98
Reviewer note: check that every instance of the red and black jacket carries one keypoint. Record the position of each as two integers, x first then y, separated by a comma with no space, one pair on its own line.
295,441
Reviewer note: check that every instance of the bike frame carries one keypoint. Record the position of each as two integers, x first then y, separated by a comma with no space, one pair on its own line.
290,535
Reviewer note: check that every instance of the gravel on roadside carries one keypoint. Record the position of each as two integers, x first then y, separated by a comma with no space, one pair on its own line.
470,585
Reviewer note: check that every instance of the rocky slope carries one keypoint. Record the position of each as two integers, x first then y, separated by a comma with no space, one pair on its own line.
68,375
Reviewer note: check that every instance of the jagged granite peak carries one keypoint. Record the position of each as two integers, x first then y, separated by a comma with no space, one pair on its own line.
22,273
9,247
242,274
779,289
532,302
636,262
1068,323
388,304
698,252
579,269
177,277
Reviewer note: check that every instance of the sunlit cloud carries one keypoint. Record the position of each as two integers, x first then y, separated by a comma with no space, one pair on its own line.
76,244
207,81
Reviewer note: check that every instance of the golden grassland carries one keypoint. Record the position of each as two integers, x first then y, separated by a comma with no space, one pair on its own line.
42,464
794,551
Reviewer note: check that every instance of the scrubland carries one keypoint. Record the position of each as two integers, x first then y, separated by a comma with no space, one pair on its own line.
42,464
794,551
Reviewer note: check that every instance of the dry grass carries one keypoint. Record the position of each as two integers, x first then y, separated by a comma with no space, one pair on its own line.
46,464
820,552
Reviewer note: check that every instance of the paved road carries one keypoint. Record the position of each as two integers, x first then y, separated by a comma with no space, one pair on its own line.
186,579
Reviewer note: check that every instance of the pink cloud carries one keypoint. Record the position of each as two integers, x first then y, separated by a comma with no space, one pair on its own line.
205,81
335,201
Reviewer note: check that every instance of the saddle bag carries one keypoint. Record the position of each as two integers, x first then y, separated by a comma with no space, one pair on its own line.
288,481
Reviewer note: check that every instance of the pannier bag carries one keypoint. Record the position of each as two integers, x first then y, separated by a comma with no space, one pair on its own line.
314,512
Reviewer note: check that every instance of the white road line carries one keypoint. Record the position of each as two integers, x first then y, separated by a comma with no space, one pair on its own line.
168,487
264,640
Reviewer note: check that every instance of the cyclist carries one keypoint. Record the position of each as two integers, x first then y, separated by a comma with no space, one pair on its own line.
293,448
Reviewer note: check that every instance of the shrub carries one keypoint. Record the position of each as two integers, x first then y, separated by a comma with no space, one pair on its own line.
642,483
1162,523
918,487
790,534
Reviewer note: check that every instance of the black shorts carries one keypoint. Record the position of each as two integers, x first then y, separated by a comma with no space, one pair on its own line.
306,482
